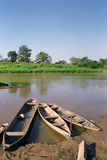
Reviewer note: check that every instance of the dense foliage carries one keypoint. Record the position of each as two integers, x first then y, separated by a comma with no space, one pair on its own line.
85,62
12,56
24,54
29,67
43,58
21,62
61,62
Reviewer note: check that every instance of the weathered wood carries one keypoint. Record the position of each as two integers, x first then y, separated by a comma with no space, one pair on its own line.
82,155
71,124
15,133
53,117
73,116
76,119
21,132
3,127
54,107
5,124
42,105
59,125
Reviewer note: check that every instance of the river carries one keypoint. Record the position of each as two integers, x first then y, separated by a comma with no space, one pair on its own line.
85,94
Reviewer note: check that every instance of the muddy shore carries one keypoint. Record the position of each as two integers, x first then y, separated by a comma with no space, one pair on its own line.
96,143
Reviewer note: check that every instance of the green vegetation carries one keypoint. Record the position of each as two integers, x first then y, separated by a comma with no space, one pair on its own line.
24,54
21,63
12,56
61,62
29,67
43,58
85,62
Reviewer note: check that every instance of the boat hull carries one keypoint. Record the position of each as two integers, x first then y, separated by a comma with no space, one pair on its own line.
65,133
74,118
15,133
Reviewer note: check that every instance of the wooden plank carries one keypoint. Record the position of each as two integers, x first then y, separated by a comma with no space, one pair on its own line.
60,125
5,124
53,117
50,104
15,133
54,107
31,103
82,155
42,106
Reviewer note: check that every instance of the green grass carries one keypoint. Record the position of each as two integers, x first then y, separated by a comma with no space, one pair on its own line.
22,67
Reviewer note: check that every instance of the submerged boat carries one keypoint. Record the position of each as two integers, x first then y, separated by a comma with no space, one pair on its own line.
2,129
19,127
74,118
53,120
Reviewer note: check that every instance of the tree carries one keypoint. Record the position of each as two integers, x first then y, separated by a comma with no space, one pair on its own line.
24,53
43,58
84,62
12,56
1,58
61,62
103,61
75,61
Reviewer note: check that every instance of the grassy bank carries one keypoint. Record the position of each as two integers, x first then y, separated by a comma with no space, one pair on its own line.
21,67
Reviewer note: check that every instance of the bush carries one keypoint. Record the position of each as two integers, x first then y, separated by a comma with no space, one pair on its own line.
22,67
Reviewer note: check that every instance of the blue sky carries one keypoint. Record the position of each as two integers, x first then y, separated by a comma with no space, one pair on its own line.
61,28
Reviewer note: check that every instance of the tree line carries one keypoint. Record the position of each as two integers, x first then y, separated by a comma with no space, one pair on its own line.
24,55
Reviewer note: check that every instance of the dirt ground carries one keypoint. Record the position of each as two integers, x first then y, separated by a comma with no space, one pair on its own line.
96,145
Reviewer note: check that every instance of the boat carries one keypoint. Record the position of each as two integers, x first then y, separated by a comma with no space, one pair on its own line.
3,84
2,129
20,125
53,120
74,118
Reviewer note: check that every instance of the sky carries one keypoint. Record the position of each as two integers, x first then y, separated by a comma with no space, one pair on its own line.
61,28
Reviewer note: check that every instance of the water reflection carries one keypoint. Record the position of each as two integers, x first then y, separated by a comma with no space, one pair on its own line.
43,84
12,90
25,91
83,93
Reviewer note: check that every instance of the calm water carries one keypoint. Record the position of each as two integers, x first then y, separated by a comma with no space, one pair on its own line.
85,94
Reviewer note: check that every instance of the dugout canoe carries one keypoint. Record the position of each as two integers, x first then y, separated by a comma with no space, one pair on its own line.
19,127
74,118
53,120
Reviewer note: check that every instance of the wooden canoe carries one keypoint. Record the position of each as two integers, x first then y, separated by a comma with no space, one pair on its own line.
53,120
19,127
2,129
3,84
74,118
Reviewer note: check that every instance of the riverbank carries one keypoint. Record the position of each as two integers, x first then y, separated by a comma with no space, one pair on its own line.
22,67
68,149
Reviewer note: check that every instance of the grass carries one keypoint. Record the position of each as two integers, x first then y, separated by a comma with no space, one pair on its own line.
22,67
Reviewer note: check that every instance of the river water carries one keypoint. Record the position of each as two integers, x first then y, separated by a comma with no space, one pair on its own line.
85,94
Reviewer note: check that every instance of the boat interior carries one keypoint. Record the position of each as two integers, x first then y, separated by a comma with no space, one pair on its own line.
51,117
